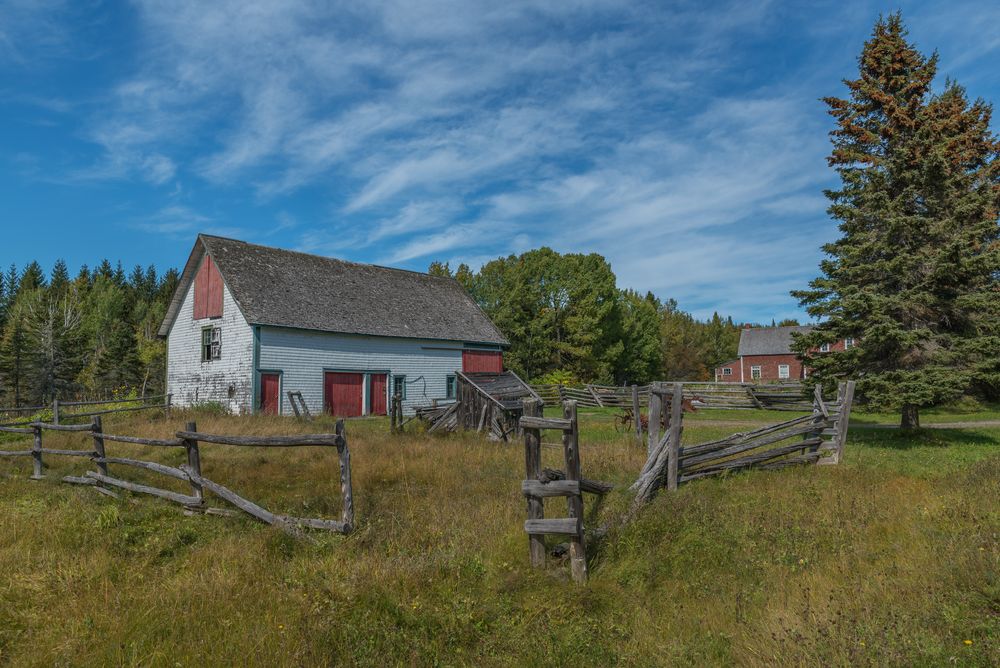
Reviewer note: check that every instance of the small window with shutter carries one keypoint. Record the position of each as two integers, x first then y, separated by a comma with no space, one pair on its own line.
211,344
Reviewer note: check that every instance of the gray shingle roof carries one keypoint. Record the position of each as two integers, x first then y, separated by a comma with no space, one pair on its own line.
289,289
768,340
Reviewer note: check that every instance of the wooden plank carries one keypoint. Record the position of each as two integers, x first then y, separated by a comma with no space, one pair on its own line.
247,506
182,499
67,453
537,422
328,525
172,443
563,525
586,485
532,470
16,453
655,407
162,469
194,462
547,489
17,430
262,441
571,449
60,427
687,462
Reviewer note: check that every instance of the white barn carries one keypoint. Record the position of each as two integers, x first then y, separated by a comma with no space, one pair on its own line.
248,324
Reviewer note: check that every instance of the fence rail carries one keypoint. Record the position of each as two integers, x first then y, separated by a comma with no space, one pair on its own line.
189,439
59,414
792,396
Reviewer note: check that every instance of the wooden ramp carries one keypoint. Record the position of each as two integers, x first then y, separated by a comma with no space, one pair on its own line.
485,402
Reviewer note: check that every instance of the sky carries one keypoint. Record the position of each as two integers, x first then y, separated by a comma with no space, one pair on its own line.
685,142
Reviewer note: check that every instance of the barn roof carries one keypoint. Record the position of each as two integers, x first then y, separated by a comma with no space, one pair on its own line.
289,289
769,340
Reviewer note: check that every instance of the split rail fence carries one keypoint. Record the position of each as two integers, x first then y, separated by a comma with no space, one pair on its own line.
13,417
818,438
790,396
188,439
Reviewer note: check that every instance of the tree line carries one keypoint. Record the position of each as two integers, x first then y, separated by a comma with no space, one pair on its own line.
93,335
568,322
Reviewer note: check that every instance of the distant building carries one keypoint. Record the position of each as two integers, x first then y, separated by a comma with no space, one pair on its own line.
765,355
249,323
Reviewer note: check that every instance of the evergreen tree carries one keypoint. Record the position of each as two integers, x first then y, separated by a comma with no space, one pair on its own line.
914,277
16,354
53,325
59,281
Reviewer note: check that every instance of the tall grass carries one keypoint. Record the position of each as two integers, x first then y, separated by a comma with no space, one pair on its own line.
891,558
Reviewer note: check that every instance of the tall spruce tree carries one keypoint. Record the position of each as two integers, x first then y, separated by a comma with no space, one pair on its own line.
914,277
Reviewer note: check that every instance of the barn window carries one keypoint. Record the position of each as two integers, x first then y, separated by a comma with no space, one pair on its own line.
783,371
450,387
727,371
755,372
211,344
399,386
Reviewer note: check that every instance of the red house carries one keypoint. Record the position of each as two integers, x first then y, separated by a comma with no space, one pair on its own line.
765,355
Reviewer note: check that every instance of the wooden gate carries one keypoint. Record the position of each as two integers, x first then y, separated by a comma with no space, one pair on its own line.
342,393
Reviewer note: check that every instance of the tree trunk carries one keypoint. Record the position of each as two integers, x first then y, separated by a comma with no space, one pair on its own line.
910,418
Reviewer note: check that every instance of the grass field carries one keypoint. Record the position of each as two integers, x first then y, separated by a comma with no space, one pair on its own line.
892,558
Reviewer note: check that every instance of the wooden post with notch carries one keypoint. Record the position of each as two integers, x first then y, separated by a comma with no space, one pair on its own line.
194,462
532,470
571,448
97,429
36,454
845,396
346,490
655,407
676,429
55,411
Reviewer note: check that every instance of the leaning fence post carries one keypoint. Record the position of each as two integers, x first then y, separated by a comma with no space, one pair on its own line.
55,411
571,447
97,429
655,406
637,411
194,461
36,453
346,491
533,469
676,428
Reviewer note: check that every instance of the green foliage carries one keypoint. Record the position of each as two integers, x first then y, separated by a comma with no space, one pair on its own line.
914,277
558,377
89,335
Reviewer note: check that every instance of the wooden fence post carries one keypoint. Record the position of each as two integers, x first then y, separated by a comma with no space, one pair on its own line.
655,406
194,462
166,409
532,470
846,398
571,446
98,430
637,412
55,411
676,429
36,454
392,415
346,491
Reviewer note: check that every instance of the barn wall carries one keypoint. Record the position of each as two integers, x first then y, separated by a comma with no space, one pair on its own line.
227,380
302,356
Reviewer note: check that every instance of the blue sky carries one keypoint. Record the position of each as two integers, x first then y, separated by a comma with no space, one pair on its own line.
683,141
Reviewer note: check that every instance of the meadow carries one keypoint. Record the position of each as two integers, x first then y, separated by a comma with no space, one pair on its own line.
891,558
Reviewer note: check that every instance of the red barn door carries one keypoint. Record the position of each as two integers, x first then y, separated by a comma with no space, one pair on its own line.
490,361
378,394
269,397
342,393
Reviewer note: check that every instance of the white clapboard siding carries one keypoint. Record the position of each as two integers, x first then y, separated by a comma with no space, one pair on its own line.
302,357
228,380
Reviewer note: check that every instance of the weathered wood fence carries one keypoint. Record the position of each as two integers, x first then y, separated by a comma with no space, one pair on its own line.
811,439
543,483
188,439
790,396
60,414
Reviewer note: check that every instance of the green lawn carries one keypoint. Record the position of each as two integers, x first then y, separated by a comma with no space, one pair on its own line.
891,558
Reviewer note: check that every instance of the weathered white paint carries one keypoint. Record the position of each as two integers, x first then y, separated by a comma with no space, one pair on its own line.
303,356
228,380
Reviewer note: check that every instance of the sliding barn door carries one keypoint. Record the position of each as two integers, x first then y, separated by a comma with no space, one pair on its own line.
342,394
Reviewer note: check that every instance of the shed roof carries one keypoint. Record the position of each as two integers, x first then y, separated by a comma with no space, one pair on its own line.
290,289
769,340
